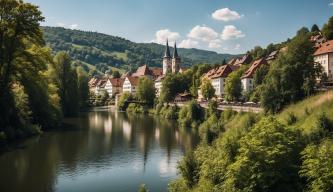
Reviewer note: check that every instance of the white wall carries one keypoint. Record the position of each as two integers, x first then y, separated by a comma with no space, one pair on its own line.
128,87
324,62
158,86
109,88
218,85
247,84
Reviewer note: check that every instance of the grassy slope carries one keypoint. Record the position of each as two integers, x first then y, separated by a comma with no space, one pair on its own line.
307,111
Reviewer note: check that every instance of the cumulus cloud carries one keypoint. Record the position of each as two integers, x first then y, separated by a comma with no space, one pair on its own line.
74,26
214,44
330,4
189,43
226,14
162,35
231,32
203,33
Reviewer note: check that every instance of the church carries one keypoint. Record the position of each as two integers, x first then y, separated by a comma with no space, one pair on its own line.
171,64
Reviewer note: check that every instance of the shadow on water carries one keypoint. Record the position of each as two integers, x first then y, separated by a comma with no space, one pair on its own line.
100,150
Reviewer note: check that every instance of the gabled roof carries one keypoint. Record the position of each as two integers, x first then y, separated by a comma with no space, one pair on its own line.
117,82
219,72
325,48
133,80
142,71
160,78
273,55
232,61
244,60
255,65
156,71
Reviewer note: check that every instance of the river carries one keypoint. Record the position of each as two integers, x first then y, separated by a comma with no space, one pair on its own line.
101,151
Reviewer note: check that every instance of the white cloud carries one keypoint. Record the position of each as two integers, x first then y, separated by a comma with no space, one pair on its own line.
189,43
162,35
74,26
60,24
226,14
330,4
231,32
203,33
215,44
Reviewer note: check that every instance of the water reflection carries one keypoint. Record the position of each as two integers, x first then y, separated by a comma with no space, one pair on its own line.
109,152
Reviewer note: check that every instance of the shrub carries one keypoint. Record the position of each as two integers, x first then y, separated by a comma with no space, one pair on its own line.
191,115
291,119
135,108
123,101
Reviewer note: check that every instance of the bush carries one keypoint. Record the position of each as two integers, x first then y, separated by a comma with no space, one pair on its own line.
291,119
191,115
168,112
135,108
123,101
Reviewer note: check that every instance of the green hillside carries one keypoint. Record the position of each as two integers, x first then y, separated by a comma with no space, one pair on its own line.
105,51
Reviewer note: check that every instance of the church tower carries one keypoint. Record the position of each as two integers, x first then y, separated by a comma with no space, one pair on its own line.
167,59
175,60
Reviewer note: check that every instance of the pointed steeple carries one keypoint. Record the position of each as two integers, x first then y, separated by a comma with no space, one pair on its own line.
175,52
167,50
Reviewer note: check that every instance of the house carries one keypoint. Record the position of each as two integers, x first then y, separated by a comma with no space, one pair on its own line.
247,78
114,86
96,86
217,78
130,84
183,97
246,59
232,61
272,56
158,84
145,71
324,56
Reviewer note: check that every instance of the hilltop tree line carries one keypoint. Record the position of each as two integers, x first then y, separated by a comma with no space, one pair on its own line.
105,51
36,89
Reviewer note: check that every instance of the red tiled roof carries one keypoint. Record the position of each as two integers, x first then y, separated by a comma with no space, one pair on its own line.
133,80
156,71
325,48
222,71
232,61
255,65
273,55
142,71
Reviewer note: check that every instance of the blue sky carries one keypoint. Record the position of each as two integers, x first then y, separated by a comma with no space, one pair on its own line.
224,26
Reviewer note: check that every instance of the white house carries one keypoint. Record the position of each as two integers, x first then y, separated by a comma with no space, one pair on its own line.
158,85
324,56
247,78
217,78
130,85
114,86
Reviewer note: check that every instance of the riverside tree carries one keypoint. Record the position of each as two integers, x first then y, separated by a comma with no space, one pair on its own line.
146,91
27,96
207,89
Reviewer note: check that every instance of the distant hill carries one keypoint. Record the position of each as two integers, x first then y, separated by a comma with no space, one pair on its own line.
103,51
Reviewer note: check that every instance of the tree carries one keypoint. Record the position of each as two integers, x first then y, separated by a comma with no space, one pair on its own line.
259,75
207,89
303,31
268,160
224,62
189,169
19,31
233,86
67,81
116,74
146,91
315,28
83,88
291,77
317,166
328,29
143,188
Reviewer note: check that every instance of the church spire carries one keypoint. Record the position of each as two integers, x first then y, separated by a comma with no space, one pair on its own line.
167,50
175,52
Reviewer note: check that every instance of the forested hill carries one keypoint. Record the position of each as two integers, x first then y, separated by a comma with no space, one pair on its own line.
105,51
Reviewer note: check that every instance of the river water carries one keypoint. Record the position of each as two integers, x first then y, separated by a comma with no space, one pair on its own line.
101,151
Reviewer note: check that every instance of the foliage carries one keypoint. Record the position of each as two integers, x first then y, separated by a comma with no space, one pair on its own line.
116,74
233,85
105,51
146,91
315,28
173,84
303,31
135,108
191,115
328,29
167,111
207,89
67,81
123,101
189,169
317,166
291,77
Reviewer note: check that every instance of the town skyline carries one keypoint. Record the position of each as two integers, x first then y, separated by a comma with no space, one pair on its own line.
220,26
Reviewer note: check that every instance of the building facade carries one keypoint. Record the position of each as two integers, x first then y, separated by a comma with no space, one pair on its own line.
130,85
247,78
171,64
324,56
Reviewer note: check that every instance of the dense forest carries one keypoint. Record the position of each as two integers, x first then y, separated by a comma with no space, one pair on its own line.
106,51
